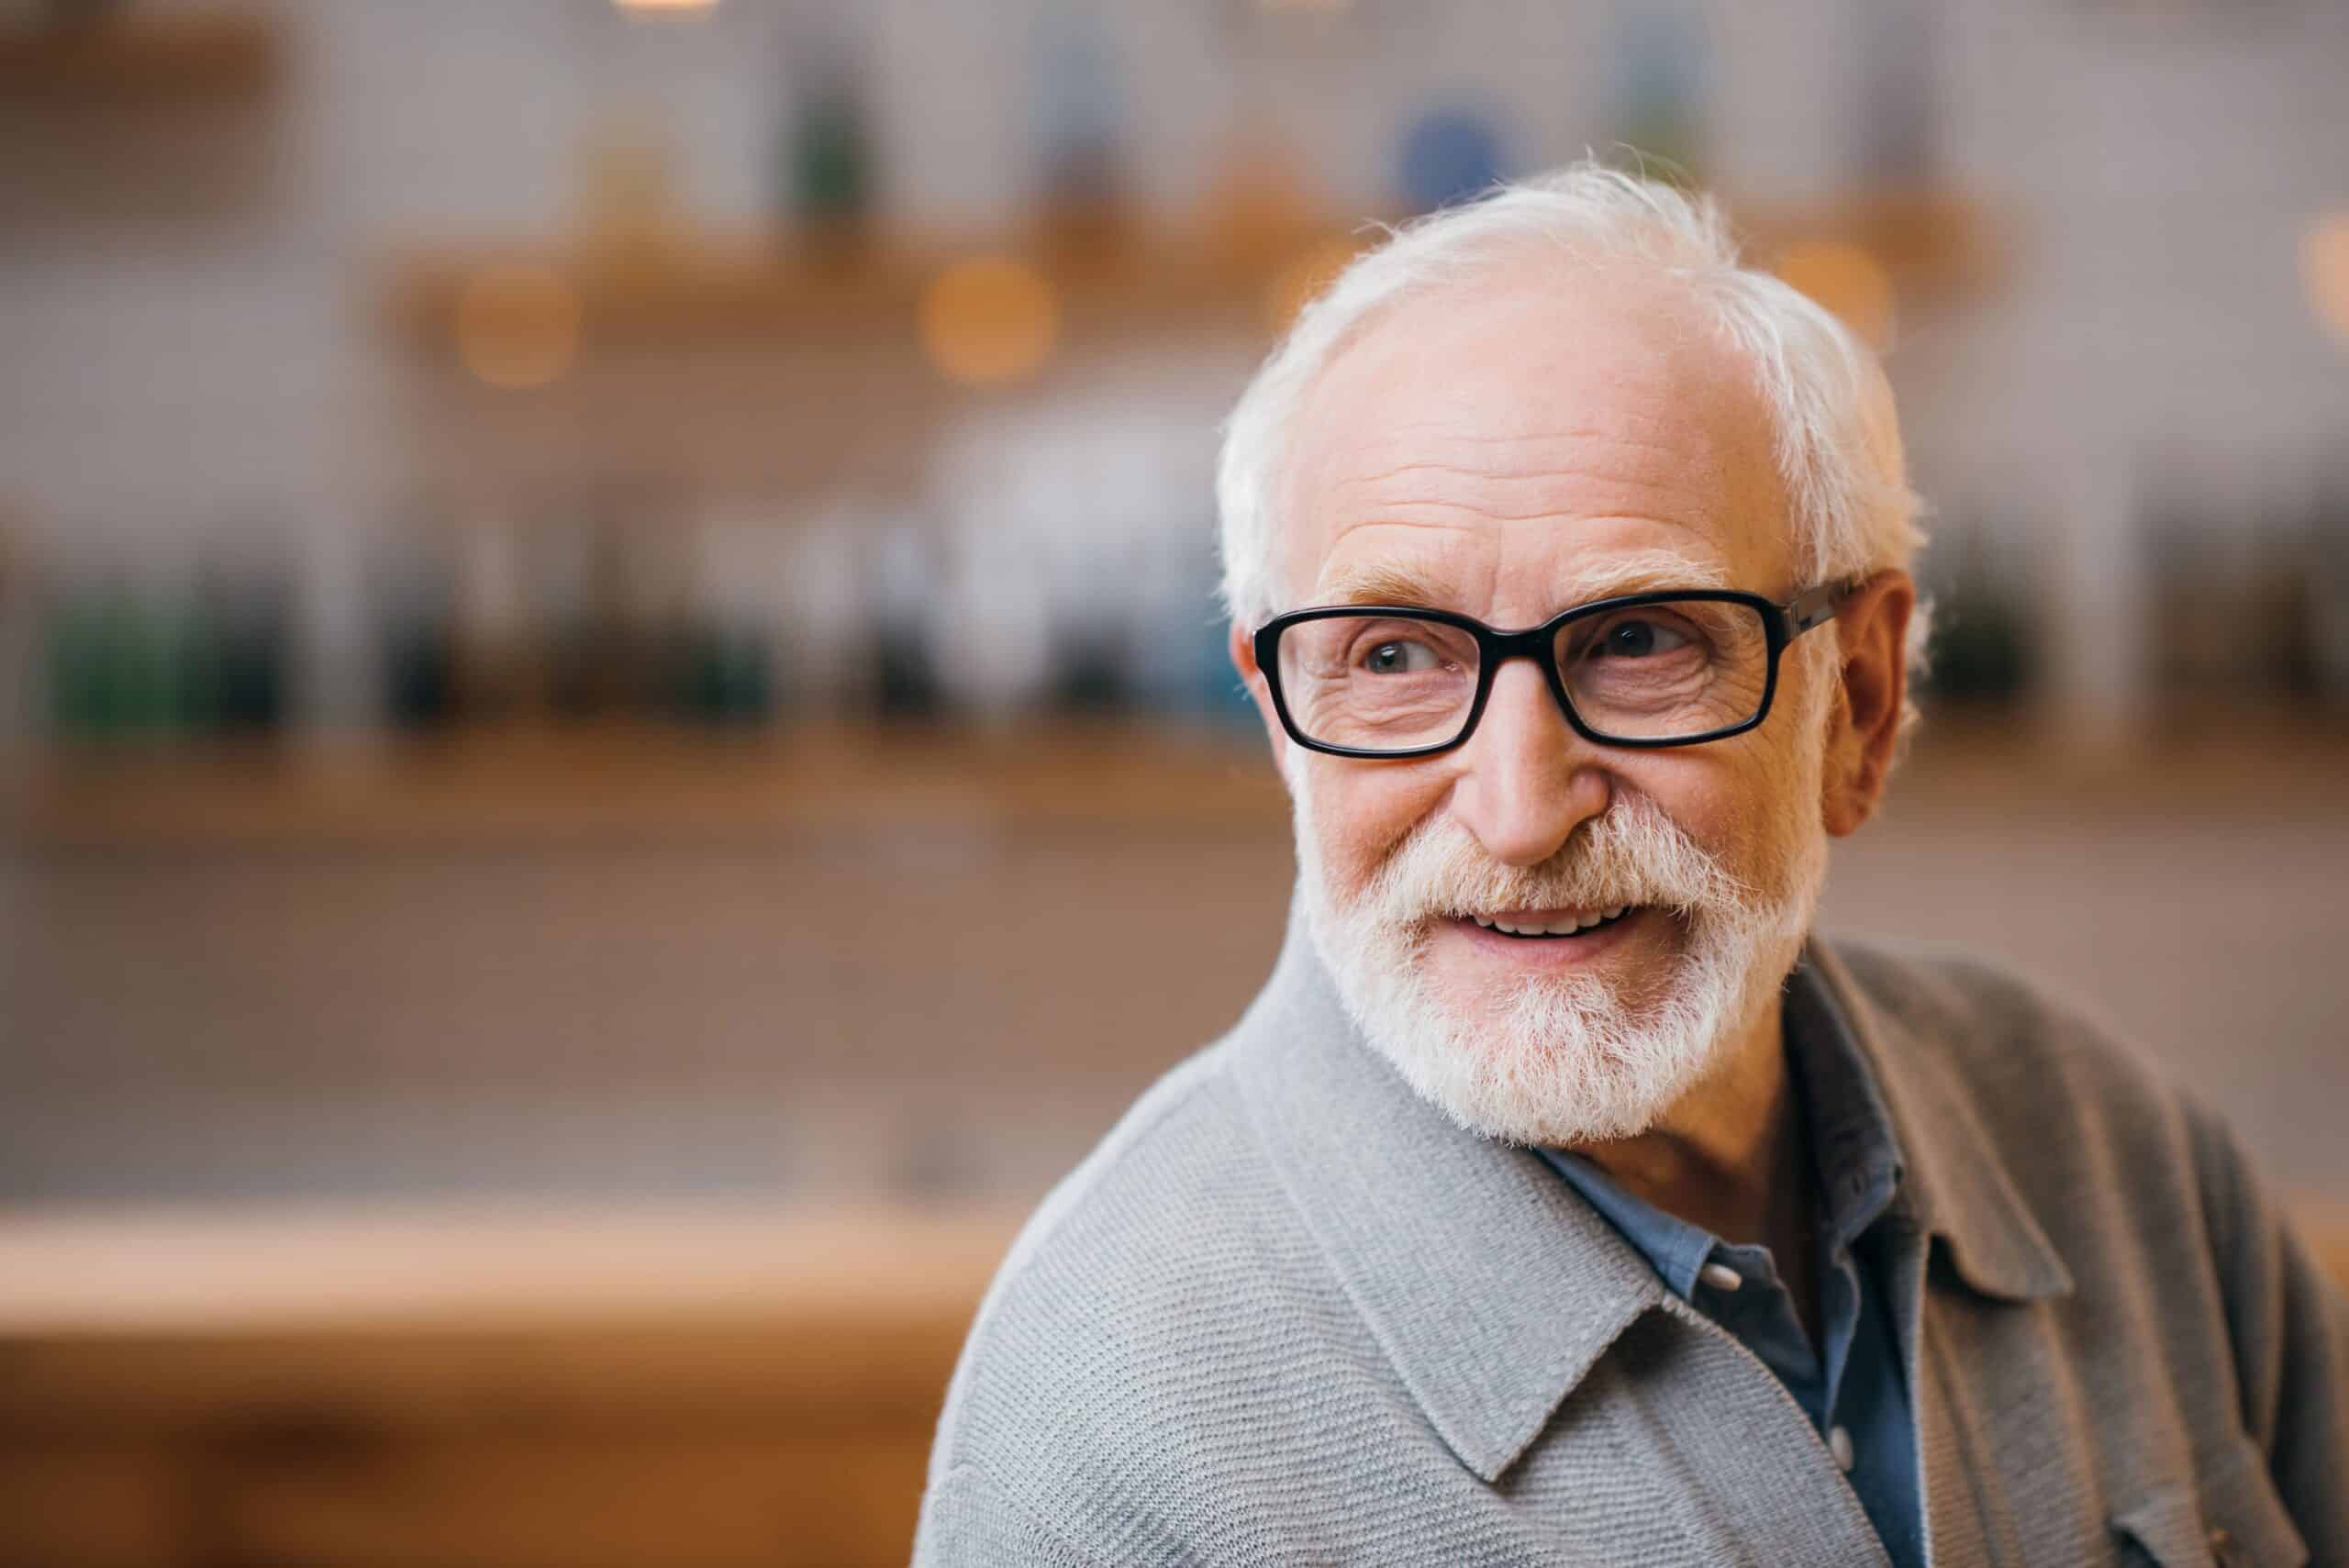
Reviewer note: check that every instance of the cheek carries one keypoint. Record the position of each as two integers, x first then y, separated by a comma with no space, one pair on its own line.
1738,801
1755,800
1770,814
1361,812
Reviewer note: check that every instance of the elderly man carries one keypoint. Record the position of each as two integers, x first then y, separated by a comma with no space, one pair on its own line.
1562,1198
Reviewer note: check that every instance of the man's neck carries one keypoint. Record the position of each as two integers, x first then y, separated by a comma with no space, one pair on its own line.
1729,1155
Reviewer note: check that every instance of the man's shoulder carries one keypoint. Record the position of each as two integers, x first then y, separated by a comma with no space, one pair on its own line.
2070,1101
1129,1204
1996,1028
1137,1256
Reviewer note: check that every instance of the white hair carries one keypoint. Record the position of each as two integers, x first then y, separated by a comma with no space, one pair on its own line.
1837,437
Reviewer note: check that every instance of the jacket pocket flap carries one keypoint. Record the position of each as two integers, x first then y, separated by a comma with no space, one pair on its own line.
2249,1525
2167,1526
2233,1519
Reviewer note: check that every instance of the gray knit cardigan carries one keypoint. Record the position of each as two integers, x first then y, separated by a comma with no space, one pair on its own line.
1288,1314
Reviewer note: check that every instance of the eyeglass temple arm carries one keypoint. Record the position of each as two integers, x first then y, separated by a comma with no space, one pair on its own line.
1822,604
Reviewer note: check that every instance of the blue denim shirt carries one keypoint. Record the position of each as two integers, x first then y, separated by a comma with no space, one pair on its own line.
1852,1388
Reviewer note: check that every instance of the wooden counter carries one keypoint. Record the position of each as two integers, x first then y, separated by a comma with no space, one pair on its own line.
481,1386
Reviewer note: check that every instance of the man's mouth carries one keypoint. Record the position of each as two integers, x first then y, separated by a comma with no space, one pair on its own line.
1552,924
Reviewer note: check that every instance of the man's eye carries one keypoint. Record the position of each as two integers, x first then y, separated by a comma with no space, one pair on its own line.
1639,640
1399,659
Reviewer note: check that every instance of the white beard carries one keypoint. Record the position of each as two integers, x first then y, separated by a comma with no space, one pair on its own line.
1568,1058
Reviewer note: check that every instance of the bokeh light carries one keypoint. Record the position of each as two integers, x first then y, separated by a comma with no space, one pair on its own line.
2325,268
1847,280
986,320
1304,276
517,324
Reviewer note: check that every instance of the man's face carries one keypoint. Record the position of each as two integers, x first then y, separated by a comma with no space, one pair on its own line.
1508,456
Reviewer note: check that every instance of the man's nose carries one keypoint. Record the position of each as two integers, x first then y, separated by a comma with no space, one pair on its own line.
1529,780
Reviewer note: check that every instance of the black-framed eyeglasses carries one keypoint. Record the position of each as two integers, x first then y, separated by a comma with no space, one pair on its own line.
1673,668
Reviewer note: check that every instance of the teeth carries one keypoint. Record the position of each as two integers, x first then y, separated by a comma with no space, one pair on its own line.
1562,926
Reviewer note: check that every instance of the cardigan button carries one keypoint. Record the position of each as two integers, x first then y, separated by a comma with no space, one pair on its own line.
1838,1443
1720,1276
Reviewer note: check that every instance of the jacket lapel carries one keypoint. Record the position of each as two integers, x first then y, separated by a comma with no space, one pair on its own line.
1957,1194
1956,1186
1491,1287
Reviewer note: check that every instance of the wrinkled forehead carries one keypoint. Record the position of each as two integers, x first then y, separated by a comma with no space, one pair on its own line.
1536,437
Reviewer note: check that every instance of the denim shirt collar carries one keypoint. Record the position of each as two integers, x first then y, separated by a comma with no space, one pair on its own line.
1855,1153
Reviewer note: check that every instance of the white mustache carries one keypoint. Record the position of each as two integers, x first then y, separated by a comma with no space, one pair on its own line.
1630,854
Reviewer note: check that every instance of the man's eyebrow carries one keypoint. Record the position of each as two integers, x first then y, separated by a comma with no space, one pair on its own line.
1388,585
1641,572
1647,571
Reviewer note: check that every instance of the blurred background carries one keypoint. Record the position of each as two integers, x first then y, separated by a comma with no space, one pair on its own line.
613,738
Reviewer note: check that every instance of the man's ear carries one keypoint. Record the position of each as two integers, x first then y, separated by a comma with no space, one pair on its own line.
1243,659
1871,686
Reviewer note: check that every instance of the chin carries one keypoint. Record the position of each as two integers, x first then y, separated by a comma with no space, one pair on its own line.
1566,1059
1585,1039
1558,1062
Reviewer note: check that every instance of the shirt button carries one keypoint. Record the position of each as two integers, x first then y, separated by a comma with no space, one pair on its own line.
1720,1276
1838,1443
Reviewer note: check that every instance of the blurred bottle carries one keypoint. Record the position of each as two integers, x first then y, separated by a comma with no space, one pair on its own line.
1656,69
616,574
737,600
413,594
119,649
493,665
2281,607
1985,653
254,658
2192,551
1078,104
59,13
825,152
21,675
902,593
237,645
1449,155
78,658
2328,588
819,626
1898,119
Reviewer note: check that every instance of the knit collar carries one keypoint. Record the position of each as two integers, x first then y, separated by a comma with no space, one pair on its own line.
1957,1187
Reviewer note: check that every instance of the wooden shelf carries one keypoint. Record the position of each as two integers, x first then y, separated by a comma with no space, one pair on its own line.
697,288
137,54
1927,241
703,287
561,785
